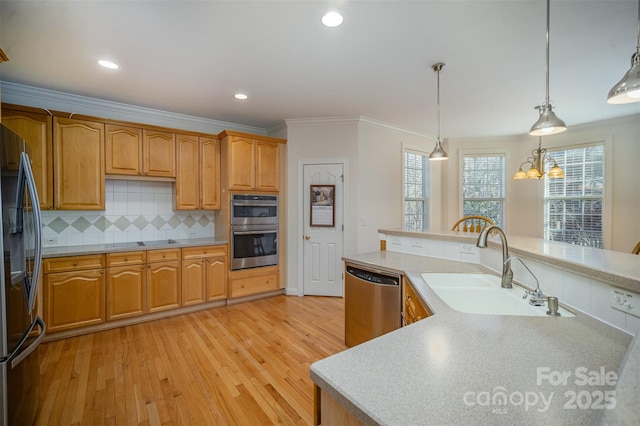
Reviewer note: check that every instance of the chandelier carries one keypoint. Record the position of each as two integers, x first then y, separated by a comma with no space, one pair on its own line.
536,162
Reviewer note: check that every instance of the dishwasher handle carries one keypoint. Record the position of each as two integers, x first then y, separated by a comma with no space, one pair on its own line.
374,276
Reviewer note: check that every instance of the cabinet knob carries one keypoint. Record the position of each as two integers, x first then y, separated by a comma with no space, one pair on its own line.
307,237
203,260
164,254
126,259
75,263
102,271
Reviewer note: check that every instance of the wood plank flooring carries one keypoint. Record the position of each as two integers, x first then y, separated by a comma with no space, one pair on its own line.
244,364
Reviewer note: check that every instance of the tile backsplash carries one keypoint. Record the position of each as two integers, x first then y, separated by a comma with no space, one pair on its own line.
135,211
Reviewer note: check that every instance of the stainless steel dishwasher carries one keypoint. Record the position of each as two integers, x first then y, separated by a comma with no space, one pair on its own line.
372,300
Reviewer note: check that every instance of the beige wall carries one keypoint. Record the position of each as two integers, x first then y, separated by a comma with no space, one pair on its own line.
524,204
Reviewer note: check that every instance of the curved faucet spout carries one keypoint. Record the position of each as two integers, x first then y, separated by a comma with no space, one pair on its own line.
507,273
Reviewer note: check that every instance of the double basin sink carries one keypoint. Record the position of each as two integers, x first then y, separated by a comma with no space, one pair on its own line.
482,294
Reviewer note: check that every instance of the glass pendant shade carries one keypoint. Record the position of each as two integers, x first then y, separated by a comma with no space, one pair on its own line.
556,172
628,89
533,173
520,174
438,153
548,123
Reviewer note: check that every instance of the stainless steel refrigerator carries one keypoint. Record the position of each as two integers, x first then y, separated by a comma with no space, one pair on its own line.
21,329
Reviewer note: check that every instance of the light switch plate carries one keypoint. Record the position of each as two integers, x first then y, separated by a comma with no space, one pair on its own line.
625,301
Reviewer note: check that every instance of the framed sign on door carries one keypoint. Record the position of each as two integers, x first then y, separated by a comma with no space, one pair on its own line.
322,205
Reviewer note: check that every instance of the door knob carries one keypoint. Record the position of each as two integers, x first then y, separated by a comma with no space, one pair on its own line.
307,237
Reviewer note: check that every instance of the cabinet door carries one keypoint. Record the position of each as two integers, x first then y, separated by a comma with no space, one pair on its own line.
78,155
193,281
216,277
267,166
123,146
209,173
125,291
242,170
187,176
159,150
36,129
163,286
74,299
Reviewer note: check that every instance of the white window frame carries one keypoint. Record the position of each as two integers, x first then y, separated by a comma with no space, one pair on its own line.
428,184
607,187
484,153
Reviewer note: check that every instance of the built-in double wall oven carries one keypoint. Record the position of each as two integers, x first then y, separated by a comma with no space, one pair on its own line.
254,230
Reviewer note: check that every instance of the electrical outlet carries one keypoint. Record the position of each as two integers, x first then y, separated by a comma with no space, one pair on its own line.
191,234
417,242
396,241
51,240
625,301
468,248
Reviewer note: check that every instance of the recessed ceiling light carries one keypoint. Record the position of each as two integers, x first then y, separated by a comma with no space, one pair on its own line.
108,64
332,19
240,96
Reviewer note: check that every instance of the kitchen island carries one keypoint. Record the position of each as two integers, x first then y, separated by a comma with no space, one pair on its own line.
457,368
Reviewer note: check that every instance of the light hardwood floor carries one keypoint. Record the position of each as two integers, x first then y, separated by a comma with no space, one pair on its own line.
245,364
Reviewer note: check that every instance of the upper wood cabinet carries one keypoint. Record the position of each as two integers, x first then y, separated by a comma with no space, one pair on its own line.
198,174
78,158
35,127
253,162
123,150
159,153
134,151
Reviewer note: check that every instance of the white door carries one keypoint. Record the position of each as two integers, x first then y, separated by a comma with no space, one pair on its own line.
323,242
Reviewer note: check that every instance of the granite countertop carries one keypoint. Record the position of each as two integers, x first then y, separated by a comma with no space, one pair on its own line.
456,368
49,252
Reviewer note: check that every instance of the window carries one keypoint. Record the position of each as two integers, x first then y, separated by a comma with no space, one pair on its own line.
483,186
573,205
416,191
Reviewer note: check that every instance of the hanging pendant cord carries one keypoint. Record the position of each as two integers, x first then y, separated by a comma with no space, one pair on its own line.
548,13
438,109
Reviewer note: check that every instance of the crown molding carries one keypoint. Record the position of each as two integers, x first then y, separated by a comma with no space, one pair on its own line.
53,100
353,120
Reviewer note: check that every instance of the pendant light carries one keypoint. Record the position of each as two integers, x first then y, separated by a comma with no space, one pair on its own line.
548,123
628,89
438,153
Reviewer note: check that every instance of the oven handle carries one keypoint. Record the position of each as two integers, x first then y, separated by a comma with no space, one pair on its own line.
254,203
254,232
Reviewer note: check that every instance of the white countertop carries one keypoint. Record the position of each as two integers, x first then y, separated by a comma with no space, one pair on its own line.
448,368
621,269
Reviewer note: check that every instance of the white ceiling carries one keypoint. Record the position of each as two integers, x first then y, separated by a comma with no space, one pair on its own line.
190,57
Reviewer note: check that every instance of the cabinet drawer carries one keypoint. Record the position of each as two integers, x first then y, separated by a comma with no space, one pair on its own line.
73,263
253,285
128,258
205,251
163,255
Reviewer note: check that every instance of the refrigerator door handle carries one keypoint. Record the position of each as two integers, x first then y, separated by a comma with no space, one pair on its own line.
25,176
18,353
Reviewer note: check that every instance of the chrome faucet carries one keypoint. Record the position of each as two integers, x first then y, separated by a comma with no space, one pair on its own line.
507,273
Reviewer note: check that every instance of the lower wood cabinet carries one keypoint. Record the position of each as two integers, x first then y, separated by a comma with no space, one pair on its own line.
163,280
74,296
81,291
413,308
126,285
204,274
253,281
